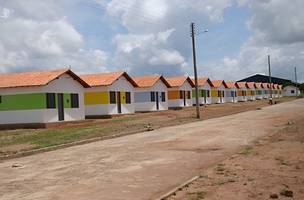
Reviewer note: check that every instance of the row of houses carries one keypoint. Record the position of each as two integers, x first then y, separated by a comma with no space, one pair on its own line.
61,95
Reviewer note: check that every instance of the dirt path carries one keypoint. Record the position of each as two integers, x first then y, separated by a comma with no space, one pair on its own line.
140,166
271,168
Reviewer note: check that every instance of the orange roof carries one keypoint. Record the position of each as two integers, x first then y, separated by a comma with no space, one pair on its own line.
149,81
106,79
251,85
179,81
265,85
231,84
280,87
35,78
258,85
242,84
202,81
218,83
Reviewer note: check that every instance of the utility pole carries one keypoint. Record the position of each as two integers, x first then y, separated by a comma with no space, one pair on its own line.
198,114
270,82
296,80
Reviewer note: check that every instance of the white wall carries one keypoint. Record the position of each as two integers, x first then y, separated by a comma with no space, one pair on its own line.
219,100
180,102
201,100
287,91
63,84
159,87
122,84
231,99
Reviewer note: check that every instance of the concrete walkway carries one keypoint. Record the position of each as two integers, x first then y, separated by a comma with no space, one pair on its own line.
140,166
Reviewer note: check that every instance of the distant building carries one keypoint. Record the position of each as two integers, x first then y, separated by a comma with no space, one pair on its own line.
259,78
290,91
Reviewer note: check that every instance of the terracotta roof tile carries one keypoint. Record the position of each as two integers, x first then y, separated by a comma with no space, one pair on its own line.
242,84
202,81
231,84
179,81
149,81
258,85
106,79
251,85
35,78
218,83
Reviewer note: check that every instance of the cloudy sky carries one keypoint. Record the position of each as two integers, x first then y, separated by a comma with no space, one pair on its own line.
153,36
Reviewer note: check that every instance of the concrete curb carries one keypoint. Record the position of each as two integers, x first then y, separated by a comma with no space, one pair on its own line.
171,192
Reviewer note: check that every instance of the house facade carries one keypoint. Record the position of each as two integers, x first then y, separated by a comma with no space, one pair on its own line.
231,92
179,93
151,93
242,91
266,90
41,97
204,93
251,92
291,91
109,94
259,91
218,91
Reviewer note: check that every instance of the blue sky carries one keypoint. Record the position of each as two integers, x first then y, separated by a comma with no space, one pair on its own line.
152,36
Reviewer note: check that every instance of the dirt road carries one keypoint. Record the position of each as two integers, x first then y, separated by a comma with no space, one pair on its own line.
141,166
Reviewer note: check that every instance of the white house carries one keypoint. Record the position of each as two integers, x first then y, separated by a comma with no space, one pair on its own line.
251,91
179,93
109,94
259,91
265,90
151,93
291,91
242,91
231,92
204,87
218,91
39,97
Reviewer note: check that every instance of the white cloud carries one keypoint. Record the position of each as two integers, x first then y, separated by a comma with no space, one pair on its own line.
37,35
158,31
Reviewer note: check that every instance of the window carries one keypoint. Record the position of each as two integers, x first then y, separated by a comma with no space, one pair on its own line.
235,94
232,93
128,97
203,93
74,101
223,94
292,91
208,93
152,96
50,100
163,96
181,94
189,94
112,97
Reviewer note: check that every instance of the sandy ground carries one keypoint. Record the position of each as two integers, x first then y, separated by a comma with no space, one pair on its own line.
271,168
140,166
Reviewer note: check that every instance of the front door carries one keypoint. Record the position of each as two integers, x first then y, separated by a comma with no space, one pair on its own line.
60,107
118,103
157,100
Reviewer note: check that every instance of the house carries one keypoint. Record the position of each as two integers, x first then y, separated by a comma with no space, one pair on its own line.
32,99
231,92
218,91
266,90
151,93
251,91
280,90
291,91
276,90
179,93
259,91
204,87
242,91
110,94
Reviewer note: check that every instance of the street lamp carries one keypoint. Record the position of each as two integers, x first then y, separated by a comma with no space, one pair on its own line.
193,33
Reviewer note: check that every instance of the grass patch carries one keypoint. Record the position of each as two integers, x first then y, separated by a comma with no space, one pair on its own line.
197,195
247,150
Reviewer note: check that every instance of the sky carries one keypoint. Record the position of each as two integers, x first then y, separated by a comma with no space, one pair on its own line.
153,36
